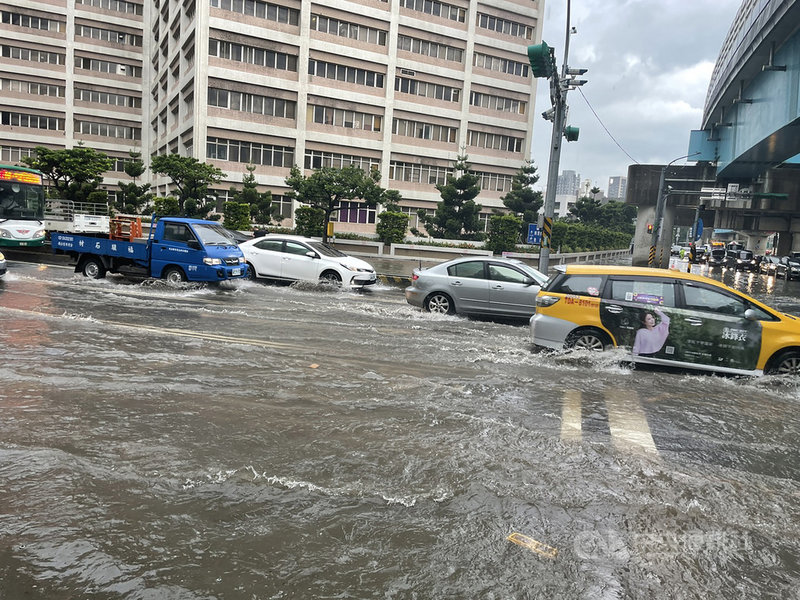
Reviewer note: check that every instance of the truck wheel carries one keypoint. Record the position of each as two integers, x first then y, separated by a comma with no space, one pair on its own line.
93,268
174,275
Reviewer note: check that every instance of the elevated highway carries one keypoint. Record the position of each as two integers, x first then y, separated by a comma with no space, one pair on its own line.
747,154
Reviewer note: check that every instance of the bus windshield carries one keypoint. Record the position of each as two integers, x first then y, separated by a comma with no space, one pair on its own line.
21,194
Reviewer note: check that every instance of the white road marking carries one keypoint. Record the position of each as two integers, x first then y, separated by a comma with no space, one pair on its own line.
571,417
627,422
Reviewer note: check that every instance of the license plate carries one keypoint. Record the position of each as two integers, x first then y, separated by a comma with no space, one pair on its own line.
236,272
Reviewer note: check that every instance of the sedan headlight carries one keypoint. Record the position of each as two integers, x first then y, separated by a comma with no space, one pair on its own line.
212,261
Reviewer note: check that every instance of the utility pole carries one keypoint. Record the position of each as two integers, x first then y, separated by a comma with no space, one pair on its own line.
543,64
661,202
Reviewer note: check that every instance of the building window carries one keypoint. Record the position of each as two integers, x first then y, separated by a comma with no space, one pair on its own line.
39,56
252,103
505,26
345,73
108,35
252,55
121,132
315,159
353,31
350,119
13,119
415,173
432,49
494,182
262,10
97,97
494,141
122,6
14,154
498,103
502,65
424,131
429,90
250,153
437,9
104,66
354,212
32,88
41,23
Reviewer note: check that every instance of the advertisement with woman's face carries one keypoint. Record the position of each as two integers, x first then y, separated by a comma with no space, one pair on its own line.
709,328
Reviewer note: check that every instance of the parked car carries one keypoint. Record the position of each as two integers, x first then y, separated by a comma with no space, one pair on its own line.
2,265
769,265
666,318
477,285
297,258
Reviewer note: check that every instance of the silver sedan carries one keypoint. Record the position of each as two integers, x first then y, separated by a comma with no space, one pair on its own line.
477,285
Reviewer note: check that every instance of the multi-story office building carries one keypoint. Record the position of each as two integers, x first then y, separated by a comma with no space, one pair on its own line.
617,187
403,86
568,183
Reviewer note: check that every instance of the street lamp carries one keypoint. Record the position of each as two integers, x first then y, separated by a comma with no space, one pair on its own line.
661,202
542,61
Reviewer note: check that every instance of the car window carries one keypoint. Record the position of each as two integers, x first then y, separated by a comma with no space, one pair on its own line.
505,273
296,248
643,291
708,299
177,232
471,269
581,285
274,245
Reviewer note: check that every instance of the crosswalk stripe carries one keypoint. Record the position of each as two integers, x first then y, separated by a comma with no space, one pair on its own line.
571,416
627,421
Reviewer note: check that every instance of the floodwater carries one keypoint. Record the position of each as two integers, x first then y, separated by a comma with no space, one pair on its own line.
266,442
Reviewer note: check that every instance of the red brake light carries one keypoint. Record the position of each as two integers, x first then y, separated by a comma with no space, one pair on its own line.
414,276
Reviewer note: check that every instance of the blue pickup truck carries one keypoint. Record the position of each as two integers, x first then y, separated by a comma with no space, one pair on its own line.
176,249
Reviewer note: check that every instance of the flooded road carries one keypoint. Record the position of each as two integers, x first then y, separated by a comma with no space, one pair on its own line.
258,441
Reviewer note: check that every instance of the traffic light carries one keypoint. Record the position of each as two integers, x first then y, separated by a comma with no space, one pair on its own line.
571,133
541,59
649,228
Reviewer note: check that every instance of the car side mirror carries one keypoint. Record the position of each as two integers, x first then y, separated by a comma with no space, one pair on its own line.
751,315
194,244
312,254
529,281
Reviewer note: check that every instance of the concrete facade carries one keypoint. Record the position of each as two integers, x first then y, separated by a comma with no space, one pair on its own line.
403,87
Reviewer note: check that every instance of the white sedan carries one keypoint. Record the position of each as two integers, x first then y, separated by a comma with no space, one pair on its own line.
297,258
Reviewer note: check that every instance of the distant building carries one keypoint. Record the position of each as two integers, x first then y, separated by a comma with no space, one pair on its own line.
568,183
563,203
617,186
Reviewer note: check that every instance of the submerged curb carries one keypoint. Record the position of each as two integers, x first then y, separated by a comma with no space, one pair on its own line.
395,280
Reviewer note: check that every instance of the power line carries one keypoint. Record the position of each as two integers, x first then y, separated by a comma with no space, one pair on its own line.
596,116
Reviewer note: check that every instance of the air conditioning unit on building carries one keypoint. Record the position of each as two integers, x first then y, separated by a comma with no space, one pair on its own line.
122,69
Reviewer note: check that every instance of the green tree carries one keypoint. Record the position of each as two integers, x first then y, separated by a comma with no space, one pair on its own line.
133,197
523,199
166,206
503,233
74,173
191,179
237,215
586,210
392,222
328,187
259,204
309,221
618,216
456,216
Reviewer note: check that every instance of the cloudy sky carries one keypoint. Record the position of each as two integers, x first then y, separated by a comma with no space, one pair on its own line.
650,62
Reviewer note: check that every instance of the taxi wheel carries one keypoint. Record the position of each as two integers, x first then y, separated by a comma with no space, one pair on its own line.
587,339
787,363
439,302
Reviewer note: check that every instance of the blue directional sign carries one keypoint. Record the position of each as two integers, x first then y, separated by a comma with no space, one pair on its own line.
534,234
699,233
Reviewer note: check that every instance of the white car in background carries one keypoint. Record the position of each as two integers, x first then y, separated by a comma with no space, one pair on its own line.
296,258
2,265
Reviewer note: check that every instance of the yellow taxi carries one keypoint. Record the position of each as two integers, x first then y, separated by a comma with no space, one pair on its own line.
665,318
